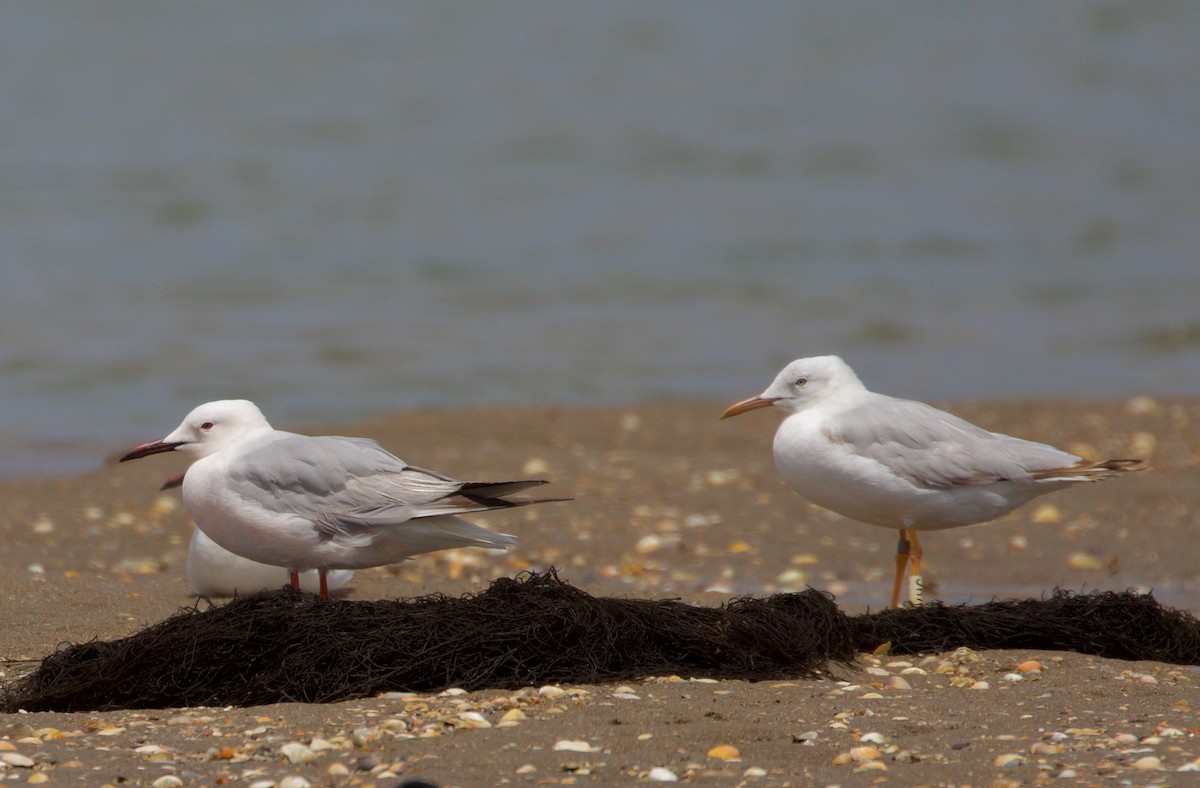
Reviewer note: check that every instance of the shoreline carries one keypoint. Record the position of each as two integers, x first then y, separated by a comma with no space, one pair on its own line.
668,503
93,454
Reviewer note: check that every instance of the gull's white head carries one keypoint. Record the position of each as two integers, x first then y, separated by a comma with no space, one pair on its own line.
207,430
802,384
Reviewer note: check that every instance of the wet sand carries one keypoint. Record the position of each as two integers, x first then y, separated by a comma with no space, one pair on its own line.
669,502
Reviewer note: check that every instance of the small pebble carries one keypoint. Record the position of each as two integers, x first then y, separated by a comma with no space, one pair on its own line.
1084,561
511,717
1142,444
1148,763
1008,759
1141,405
296,752
367,763
648,544
725,752
574,745
721,478
294,781
167,781
535,466
661,774
473,719
1047,513
362,737
17,759
792,577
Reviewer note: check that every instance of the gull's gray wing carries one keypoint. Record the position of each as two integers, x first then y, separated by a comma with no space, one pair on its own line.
344,485
935,449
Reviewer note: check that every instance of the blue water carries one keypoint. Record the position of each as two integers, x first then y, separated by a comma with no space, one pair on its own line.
352,208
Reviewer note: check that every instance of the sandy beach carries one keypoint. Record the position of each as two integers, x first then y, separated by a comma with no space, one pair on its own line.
669,502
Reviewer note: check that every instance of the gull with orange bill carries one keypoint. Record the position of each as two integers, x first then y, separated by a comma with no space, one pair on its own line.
902,464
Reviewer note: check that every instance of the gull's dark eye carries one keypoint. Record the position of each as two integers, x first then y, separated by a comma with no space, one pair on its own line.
206,426
800,382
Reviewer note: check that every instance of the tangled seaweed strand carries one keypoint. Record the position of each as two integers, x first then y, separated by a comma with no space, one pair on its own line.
533,630
1120,625
537,629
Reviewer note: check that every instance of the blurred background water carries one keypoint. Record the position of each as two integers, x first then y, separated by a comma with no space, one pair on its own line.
340,209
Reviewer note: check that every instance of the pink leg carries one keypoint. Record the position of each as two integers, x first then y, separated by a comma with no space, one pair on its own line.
324,584
294,577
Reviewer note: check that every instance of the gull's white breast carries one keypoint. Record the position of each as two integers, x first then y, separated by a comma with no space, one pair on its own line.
239,524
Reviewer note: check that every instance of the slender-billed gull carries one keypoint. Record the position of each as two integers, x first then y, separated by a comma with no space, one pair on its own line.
320,503
902,464
215,572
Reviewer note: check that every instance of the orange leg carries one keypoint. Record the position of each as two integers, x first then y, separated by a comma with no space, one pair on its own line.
324,584
916,583
902,549
294,577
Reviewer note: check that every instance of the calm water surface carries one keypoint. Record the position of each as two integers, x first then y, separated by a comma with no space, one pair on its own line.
344,209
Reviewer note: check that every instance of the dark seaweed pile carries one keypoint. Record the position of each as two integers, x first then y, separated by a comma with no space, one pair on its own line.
536,629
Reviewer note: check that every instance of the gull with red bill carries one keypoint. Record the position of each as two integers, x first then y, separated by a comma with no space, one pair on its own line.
323,503
215,572
902,464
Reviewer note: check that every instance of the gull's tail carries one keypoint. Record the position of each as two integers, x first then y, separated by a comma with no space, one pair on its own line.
498,491
494,495
435,496
1089,471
